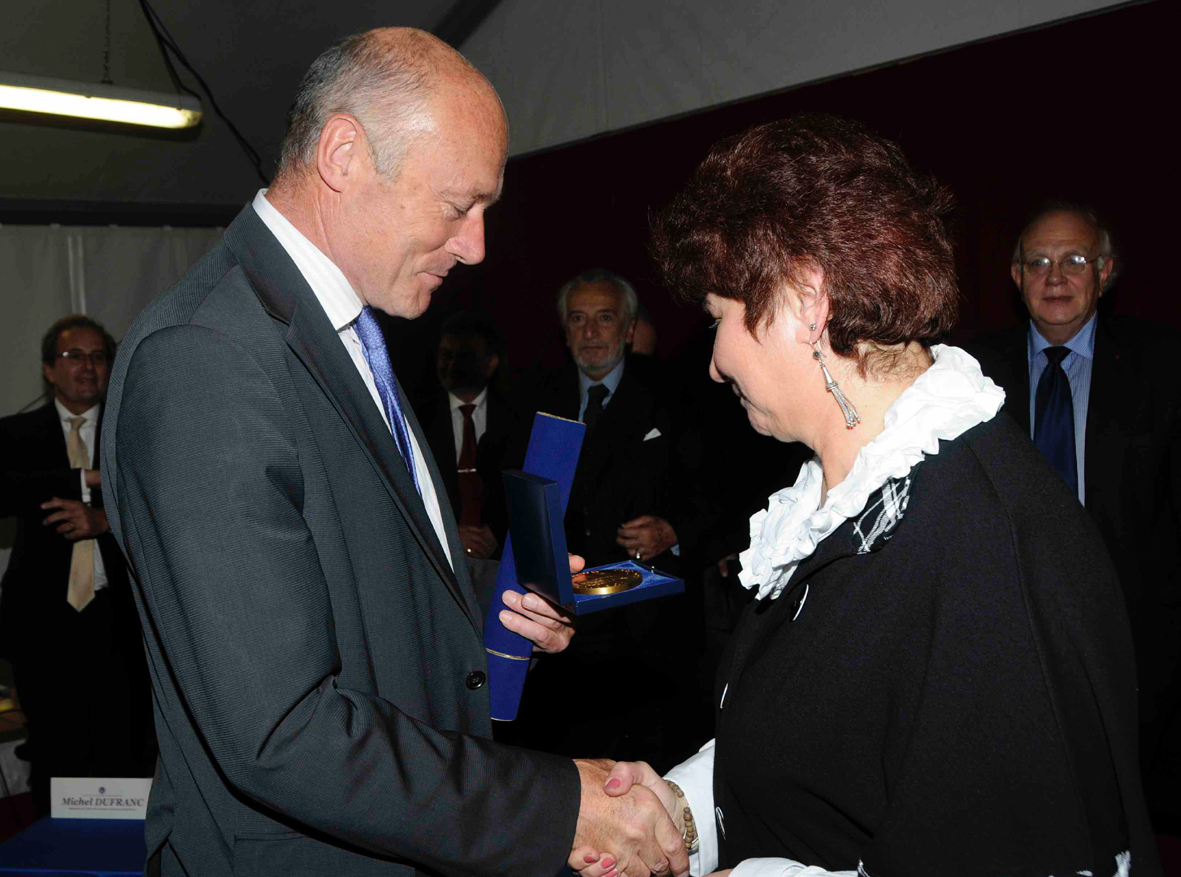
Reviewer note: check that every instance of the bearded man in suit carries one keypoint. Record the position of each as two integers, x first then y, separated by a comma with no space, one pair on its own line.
473,431
313,634
1098,396
67,621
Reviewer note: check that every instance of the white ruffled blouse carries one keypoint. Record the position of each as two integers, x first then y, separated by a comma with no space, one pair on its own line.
947,400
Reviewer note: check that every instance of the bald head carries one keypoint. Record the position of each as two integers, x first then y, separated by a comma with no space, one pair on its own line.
386,78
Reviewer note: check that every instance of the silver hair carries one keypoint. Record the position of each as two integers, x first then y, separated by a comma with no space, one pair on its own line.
386,91
631,302
1107,251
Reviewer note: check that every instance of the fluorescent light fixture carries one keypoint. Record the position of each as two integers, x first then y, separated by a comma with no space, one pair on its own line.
65,97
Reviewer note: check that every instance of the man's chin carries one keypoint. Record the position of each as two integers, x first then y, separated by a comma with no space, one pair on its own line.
595,365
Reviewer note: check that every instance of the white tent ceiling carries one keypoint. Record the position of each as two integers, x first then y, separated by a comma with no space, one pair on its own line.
566,71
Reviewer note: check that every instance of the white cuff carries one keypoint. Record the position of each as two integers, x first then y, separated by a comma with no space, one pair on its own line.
783,868
696,779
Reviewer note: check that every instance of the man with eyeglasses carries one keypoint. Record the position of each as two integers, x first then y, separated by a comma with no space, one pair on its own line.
67,620
1098,396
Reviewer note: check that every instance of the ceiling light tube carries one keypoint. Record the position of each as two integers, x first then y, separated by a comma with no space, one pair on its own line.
65,97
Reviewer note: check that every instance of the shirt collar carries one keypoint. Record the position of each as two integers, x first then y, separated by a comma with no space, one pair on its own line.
331,287
478,401
610,381
91,414
1083,342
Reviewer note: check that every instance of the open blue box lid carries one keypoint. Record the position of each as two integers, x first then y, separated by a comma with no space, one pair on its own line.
539,547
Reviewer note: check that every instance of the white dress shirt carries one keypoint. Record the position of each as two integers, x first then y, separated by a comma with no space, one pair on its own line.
610,381
342,305
89,433
479,418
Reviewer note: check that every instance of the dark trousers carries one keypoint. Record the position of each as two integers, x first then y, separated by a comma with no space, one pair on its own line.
84,688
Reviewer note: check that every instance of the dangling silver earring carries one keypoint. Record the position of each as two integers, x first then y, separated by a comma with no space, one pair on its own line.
852,418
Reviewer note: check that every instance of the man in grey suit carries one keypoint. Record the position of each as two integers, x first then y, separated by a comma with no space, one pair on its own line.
312,632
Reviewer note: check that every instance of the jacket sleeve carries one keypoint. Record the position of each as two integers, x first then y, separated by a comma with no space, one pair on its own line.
22,490
210,489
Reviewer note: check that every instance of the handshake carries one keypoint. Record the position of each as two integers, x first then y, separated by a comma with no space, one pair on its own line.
629,824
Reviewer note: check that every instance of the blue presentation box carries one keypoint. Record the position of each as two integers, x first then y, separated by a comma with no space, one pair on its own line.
539,542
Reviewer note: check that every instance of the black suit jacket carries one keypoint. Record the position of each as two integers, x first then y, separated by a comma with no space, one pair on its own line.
37,469
623,469
1132,467
498,449
318,667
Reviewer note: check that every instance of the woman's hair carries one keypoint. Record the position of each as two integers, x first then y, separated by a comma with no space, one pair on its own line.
815,191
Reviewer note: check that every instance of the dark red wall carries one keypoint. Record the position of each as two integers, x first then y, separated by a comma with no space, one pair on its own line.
1084,110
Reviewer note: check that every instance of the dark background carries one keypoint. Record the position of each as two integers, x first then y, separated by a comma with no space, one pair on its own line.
1082,110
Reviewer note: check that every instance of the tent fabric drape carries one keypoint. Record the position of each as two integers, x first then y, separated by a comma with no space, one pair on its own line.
47,272
570,71
108,273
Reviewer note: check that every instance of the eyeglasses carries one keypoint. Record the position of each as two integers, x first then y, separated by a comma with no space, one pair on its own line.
1072,264
77,356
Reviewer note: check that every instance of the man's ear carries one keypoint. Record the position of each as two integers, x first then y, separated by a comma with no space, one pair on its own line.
1105,274
340,151
1015,272
490,364
48,372
631,333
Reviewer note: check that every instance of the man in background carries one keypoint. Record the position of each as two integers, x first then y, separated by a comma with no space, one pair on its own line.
1099,397
473,431
67,621
623,504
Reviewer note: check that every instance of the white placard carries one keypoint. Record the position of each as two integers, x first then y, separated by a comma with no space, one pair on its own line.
99,797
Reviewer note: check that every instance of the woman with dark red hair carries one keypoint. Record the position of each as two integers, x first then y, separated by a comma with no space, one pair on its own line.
936,677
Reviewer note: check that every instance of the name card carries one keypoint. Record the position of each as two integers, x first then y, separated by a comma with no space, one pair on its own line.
99,797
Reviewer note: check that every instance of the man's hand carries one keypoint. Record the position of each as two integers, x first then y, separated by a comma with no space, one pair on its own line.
648,535
624,775
477,540
75,519
629,833
724,565
539,621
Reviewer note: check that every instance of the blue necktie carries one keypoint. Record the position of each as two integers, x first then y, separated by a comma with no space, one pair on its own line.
373,343
1053,431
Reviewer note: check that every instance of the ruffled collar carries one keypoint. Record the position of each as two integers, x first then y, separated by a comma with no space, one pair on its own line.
947,400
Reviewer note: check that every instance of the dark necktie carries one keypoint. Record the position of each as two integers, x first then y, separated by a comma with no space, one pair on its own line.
471,487
1053,431
373,343
595,395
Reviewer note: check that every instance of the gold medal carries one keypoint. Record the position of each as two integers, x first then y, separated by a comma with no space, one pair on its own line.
605,581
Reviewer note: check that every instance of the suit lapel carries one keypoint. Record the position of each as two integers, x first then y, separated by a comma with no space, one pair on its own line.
450,522
442,440
614,429
285,294
1111,410
1016,381
55,450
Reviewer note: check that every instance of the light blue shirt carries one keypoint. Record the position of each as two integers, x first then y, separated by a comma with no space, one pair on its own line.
1077,365
610,381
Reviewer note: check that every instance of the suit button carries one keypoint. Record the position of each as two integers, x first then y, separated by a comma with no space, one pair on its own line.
588,532
476,679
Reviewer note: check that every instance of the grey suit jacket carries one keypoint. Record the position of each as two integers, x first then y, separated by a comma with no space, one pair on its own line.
318,668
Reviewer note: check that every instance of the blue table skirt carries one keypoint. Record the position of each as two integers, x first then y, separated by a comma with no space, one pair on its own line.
76,848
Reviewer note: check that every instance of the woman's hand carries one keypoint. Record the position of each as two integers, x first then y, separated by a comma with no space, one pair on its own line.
588,862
